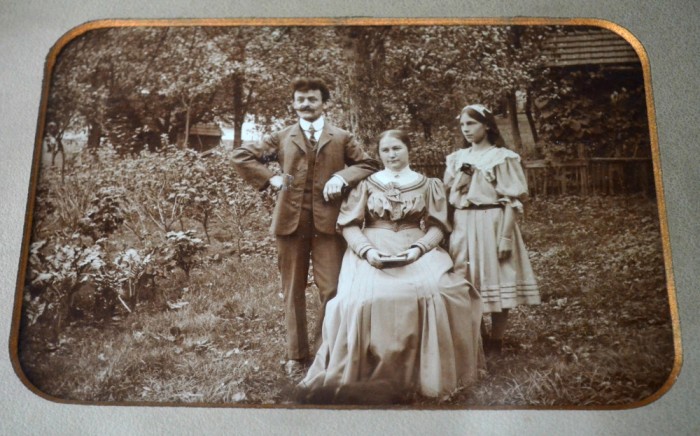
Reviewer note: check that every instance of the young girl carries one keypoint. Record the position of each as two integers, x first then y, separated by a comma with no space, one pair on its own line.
485,183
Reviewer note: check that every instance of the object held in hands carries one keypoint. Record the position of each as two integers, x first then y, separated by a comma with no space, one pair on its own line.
394,261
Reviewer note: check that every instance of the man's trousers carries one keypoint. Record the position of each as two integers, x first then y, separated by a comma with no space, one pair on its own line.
294,252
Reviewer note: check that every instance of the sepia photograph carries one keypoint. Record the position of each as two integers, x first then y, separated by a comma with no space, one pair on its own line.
371,213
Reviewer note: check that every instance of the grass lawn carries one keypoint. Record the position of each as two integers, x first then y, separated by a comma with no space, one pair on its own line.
602,335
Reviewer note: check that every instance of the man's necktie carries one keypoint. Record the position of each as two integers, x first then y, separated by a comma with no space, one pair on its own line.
312,137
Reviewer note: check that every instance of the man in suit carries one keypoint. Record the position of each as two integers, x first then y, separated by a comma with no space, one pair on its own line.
318,160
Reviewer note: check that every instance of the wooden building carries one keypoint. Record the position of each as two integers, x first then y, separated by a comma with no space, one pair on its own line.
204,137
590,46
603,51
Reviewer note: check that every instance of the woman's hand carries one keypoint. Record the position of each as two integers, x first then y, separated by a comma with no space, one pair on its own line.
412,254
505,240
505,247
374,257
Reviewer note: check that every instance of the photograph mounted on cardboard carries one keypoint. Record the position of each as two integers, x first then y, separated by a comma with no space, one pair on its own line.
347,213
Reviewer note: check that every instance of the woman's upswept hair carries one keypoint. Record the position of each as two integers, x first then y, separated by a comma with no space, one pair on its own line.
400,134
483,115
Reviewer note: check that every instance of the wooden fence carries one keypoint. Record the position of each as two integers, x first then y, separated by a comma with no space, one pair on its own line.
590,176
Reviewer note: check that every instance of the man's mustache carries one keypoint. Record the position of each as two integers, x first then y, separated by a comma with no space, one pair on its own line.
304,108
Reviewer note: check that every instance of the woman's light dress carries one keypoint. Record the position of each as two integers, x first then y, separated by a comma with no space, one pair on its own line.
496,178
416,326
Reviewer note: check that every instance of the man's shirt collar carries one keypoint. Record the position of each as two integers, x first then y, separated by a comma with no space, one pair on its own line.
318,124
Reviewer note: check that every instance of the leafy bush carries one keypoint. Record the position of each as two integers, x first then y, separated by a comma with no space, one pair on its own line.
603,112
129,210
106,213
135,272
56,273
183,249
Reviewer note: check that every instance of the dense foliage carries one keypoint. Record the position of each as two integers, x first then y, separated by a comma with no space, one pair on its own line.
115,225
602,111
144,87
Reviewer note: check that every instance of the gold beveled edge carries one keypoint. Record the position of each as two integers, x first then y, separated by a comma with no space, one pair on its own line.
663,219
349,21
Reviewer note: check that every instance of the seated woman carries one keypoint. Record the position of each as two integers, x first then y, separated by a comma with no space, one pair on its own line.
401,316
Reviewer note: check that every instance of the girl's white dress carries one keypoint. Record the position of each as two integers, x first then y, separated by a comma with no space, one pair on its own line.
494,177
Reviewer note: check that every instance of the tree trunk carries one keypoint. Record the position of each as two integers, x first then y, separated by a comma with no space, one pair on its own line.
513,118
94,136
187,129
530,117
511,101
427,130
365,75
59,149
238,110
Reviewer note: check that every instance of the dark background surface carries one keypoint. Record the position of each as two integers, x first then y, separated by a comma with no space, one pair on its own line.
667,31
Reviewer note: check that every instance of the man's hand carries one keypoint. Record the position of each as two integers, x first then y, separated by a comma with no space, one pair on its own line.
333,188
277,182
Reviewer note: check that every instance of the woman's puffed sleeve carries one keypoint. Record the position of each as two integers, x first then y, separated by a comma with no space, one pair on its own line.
352,211
352,217
436,219
511,183
437,213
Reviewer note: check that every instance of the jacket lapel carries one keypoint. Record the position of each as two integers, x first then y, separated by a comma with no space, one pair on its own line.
326,136
297,136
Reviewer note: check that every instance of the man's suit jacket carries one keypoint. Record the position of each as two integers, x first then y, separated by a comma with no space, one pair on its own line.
336,153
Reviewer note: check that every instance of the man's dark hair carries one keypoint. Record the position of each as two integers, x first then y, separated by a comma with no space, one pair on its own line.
304,84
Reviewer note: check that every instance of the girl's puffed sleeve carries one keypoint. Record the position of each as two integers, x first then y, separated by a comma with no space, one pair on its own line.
449,177
436,219
511,183
456,182
352,217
